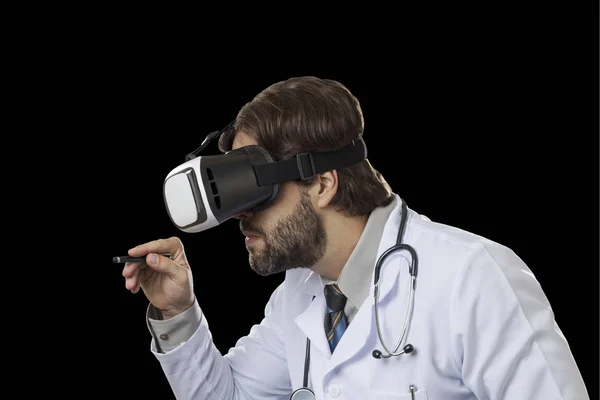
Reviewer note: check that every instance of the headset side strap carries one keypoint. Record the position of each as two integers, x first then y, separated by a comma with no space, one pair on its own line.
306,165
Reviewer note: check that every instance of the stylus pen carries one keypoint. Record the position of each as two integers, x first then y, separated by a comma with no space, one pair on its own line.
125,259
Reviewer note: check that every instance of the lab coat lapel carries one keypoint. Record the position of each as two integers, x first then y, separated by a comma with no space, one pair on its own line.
363,324
311,321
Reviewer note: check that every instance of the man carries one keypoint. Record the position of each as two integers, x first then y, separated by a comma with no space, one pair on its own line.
479,325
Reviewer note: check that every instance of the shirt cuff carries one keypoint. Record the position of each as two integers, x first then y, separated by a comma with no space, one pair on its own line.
173,332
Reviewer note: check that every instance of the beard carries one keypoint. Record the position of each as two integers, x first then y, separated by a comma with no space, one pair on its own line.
296,241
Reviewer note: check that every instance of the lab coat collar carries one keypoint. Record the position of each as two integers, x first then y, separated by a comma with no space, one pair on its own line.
306,281
391,267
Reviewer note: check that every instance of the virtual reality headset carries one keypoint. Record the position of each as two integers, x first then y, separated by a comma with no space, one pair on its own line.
206,191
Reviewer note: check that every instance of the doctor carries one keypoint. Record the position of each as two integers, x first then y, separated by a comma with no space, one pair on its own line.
445,314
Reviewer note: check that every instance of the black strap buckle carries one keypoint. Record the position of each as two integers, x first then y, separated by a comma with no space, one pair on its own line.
304,162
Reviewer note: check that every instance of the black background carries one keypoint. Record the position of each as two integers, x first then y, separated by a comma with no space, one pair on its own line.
486,125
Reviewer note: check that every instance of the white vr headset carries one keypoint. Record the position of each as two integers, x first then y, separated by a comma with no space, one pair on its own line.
205,191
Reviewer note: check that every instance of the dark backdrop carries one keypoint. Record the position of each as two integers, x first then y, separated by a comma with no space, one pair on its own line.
490,134
472,151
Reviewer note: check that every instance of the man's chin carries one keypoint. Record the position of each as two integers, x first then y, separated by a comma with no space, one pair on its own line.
262,271
261,268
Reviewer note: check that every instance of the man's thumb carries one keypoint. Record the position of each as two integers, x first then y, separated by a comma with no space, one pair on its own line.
160,263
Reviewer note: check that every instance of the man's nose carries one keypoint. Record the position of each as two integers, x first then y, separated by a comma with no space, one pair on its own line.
243,215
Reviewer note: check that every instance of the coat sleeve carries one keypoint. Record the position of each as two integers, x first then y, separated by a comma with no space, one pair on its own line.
506,339
254,369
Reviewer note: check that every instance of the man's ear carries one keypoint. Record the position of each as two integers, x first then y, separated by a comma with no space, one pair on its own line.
327,188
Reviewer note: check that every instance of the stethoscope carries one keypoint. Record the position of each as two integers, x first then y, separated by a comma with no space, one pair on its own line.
305,393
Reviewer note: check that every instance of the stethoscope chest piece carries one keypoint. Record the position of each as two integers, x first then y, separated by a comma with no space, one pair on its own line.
303,394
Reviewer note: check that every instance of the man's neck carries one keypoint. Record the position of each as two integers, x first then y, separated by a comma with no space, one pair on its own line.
343,233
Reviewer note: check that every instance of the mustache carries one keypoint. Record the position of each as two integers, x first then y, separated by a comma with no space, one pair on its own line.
246,226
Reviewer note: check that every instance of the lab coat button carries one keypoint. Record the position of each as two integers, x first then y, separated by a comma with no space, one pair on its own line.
164,336
334,391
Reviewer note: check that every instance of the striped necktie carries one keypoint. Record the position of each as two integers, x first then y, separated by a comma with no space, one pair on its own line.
335,319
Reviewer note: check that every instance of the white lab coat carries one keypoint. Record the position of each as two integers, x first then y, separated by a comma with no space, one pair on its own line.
482,329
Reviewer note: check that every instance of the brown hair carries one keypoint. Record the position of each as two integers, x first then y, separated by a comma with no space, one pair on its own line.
312,114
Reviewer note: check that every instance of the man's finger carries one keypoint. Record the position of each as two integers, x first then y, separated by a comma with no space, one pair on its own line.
171,245
130,268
